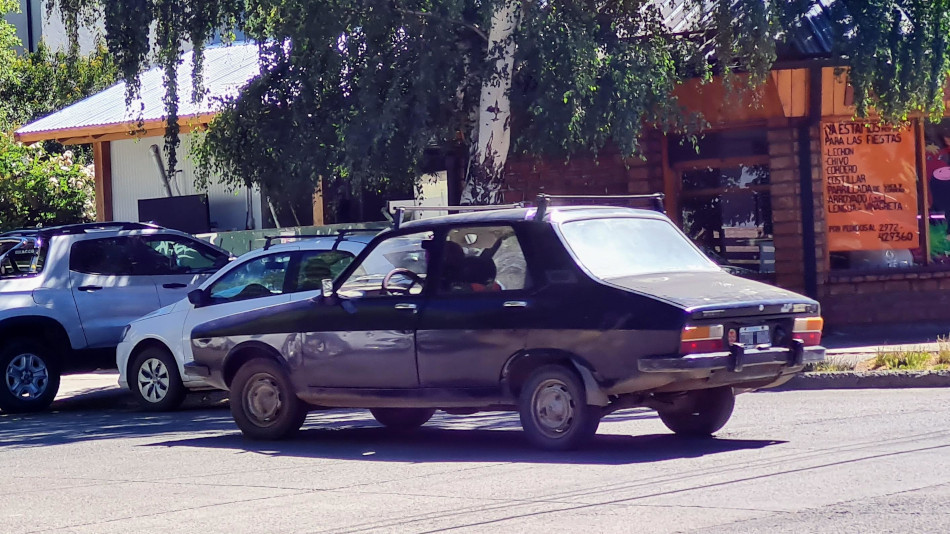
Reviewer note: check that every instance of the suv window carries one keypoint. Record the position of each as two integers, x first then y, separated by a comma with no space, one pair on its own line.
483,258
260,277
164,254
400,252
111,256
318,265
19,258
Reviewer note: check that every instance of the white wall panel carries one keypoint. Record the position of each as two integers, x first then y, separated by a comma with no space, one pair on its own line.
135,176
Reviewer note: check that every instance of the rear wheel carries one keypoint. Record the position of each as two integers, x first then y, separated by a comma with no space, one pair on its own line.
554,410
701,413
402,418
30,376
155,381
263,401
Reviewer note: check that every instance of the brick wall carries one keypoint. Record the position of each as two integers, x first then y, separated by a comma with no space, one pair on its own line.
787,210
607,174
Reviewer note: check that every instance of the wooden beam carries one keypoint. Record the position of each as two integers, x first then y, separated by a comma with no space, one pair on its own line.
102,158
114,132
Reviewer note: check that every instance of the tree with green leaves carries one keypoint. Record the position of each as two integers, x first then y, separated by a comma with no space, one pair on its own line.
44,185
359,89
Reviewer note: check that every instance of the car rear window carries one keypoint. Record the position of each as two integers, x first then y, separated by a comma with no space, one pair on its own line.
626,246
21,257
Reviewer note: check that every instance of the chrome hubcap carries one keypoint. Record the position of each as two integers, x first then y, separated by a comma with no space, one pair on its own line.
27,376
553,408
153,380
262,399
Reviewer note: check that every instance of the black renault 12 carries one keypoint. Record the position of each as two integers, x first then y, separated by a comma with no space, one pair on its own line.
563,314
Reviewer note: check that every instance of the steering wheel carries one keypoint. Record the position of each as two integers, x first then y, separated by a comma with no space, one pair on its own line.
411,275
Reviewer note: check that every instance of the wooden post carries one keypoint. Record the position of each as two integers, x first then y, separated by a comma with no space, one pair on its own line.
318,204
102,158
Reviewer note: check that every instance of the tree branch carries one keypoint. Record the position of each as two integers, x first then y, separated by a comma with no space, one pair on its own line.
478,31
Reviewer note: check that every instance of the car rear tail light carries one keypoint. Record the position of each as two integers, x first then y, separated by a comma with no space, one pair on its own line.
808,329
698,339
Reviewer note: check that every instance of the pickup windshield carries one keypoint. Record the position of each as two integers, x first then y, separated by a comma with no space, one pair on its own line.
626,246
20,257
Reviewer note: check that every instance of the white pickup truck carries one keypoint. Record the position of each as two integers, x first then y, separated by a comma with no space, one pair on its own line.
70,290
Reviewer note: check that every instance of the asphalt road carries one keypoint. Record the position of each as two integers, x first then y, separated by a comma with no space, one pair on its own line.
799,461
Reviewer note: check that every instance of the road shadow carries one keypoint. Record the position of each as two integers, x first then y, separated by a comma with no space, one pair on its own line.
490,437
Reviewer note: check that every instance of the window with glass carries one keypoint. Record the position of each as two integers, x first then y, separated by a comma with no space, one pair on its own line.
481,259
264,276
111,256
163,254
727,212
396,266
319,265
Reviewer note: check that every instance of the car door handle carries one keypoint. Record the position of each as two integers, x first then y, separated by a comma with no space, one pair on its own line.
515,304
407,306
174,285
89,288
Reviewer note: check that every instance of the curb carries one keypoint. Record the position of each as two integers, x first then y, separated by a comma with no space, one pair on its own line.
867,380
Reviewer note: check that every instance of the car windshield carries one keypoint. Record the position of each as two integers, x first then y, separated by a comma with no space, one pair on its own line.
20,257
627,246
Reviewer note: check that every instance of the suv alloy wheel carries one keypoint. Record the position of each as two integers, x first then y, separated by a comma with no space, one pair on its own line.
30,379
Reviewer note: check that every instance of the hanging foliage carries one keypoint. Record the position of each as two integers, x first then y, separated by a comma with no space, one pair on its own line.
359,89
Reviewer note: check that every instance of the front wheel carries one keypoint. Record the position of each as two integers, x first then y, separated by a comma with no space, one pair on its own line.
263,401
155,381
402,418
30,378
701,413
554,410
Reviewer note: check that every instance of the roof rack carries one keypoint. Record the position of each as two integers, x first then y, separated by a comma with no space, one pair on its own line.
400,210
269,240
544,201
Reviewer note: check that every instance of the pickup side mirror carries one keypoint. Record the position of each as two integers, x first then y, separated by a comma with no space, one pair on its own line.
197,297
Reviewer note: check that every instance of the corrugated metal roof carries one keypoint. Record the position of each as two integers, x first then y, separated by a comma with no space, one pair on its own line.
814,36
226,69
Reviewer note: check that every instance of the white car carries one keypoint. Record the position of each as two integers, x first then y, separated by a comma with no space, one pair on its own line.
154,348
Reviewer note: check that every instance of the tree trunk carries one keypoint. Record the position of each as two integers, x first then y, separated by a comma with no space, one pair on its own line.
491,138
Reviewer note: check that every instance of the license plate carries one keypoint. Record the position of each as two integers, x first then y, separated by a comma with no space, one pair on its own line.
754,335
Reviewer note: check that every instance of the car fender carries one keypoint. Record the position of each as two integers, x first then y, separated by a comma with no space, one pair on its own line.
596,395
21,309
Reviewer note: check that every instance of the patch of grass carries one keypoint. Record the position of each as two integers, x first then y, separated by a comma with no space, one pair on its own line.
829,366
911,360
943,351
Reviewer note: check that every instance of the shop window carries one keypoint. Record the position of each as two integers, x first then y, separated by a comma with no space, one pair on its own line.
937,172
727,211
871,196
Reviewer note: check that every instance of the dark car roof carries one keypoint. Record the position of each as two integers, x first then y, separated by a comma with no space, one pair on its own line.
555,215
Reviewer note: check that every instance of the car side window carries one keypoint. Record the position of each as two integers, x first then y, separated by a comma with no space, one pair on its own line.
164,254
260,277
318,265
480,259
110,256
396,266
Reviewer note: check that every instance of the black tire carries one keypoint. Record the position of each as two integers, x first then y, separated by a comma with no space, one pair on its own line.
155,381
402,418
263,401
702,413
554,410
30,376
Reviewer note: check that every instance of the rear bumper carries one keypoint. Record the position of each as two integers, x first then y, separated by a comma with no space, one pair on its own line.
737,359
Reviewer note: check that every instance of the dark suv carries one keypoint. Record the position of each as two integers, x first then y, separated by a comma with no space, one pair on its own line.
564,314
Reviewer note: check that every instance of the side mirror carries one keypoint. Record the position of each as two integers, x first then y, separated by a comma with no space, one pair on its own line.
327,284
197,297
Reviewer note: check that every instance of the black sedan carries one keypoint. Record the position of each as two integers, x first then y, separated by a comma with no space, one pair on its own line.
564,316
